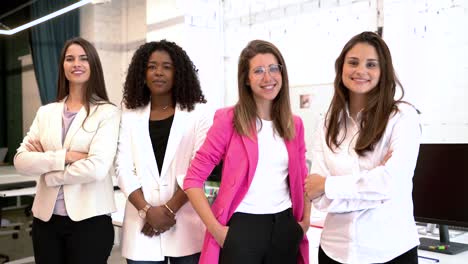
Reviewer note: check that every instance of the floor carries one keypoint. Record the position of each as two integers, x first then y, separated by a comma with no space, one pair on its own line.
21,247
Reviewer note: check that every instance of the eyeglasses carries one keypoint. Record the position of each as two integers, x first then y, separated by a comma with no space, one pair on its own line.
273,69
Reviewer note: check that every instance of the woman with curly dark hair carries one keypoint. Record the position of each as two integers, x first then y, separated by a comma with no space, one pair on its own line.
161,129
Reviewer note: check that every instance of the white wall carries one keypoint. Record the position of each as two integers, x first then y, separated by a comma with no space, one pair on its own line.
30,92
430,48
195,25
309,34
427,39
116,28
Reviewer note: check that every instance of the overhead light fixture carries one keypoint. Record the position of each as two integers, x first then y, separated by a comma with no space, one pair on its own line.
45,18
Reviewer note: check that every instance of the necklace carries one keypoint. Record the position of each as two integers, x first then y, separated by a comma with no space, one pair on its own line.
165,107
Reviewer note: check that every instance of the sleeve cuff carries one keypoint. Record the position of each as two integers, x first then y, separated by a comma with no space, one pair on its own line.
59,160
128,187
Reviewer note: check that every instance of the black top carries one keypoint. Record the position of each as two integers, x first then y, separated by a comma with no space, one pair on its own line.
159,133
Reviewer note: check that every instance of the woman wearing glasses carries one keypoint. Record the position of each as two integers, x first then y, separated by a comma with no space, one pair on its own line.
364,155
260,214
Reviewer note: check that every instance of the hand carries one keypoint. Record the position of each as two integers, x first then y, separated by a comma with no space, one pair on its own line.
386,158
148,231
72,156
314,186
34,146
305,224
160,218
220,235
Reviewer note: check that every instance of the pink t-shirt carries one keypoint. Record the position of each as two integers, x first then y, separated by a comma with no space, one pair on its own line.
67,120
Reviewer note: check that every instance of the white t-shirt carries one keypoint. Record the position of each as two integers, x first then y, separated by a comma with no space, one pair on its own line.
269,191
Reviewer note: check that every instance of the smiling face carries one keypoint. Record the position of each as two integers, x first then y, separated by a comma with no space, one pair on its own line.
361,70
265,78
160,73
75,65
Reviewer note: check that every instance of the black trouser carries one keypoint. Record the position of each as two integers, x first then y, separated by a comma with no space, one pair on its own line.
262,239
409,257
63,241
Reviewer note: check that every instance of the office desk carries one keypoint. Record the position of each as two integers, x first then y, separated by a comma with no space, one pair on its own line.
13,184
11,180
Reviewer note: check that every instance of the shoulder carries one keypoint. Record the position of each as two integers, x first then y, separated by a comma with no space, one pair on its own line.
406,110
200,110
297,120
131,113
106,109
224,115
227,112
50,107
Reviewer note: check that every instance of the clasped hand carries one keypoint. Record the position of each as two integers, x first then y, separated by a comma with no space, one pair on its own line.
158,221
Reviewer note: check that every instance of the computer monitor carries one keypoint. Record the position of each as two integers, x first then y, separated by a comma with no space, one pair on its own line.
440,192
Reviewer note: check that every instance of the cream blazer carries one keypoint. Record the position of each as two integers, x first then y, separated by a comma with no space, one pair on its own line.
136,168
87,183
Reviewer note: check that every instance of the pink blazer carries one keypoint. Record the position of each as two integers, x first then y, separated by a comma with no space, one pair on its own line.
240,155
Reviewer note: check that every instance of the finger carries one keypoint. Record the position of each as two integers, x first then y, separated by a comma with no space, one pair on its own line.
29,147
145,230
38,145
33,145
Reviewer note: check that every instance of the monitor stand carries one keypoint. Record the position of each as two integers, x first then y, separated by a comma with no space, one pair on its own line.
443,245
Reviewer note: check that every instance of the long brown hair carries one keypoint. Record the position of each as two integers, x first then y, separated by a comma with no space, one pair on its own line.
95,87
245,111
380,104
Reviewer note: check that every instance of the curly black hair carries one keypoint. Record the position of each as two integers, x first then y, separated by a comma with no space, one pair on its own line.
186,91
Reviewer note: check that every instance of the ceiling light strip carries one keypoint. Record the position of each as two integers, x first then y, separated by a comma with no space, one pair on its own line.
45,18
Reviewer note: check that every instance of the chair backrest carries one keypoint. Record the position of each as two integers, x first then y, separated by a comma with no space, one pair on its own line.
3,152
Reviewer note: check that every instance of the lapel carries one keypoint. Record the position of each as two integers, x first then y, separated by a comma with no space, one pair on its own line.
251,150
54,129
178,128
142,132
76,124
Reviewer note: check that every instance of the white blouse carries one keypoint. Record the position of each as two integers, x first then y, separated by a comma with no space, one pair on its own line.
370,207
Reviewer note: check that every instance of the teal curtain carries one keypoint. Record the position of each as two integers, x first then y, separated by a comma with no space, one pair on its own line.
3,109
47,40
11,117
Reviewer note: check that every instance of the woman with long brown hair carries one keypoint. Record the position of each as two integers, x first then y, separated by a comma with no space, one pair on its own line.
363,158
70,147
260,214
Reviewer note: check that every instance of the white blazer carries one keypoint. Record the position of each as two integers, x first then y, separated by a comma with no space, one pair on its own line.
136,168
87,183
